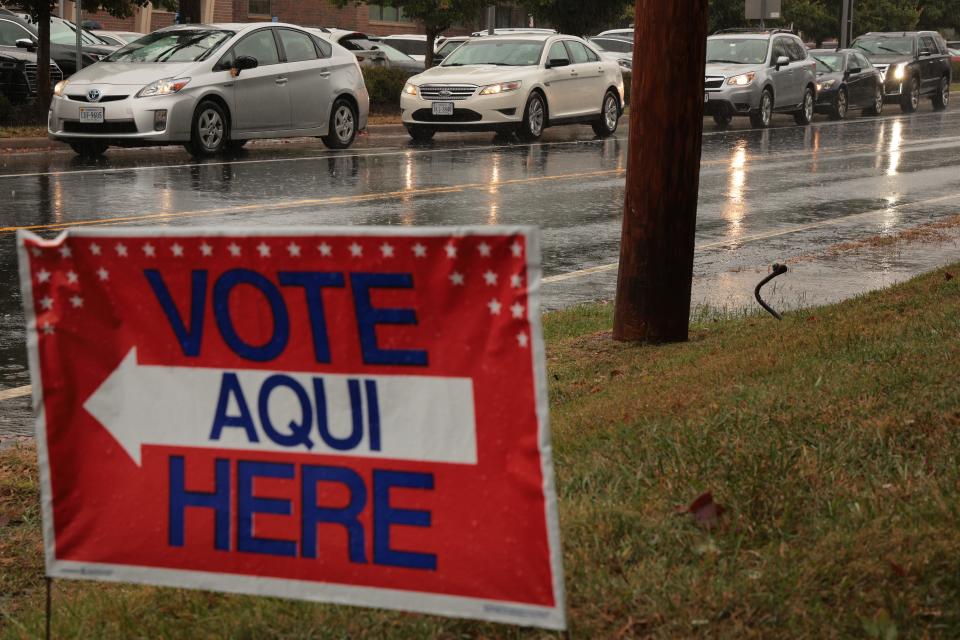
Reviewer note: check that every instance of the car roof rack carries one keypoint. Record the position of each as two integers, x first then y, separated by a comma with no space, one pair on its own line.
752,30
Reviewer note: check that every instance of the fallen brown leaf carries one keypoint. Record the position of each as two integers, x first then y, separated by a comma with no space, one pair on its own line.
706,513
947,276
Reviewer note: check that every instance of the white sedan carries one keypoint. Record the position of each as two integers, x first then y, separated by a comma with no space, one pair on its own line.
519,83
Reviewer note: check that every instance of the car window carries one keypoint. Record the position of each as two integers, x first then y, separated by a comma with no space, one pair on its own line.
578,53
591,55
178,45
259,45
862,61
614,44
326,50
885,46
10,32
409,47
297,45
779,49
558,52
927,43
828,62
796,50
504,53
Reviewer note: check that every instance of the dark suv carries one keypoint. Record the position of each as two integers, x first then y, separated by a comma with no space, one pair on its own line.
912,64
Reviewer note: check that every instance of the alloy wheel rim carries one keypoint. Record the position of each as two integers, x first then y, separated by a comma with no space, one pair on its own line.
343,123
945,89
210,128
842,104
765,109
611,113
808,105
915,94
536,117
879,100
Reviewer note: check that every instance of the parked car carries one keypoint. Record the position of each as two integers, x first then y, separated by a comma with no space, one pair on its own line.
212,88
521,83
18,75
846,80
913,64
18,32
414,45
118,38
954,55
620,50
617,33
757,73
447,47
369,52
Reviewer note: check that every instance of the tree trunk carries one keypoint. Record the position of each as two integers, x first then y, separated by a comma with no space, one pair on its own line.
431,39
190,12
43,58
663,172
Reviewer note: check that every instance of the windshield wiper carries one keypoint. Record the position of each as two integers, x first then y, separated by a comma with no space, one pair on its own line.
727,61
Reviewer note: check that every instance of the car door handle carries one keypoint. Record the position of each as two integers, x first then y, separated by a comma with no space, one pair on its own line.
324,74
281,80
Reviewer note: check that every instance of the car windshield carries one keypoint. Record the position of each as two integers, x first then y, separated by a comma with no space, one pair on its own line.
409,47
885,46
393,55
448,47
507,53
63,33
358,43
828,63
182,45
736,50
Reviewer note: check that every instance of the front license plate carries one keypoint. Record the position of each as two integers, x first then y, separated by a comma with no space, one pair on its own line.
706,97
91,114
442,108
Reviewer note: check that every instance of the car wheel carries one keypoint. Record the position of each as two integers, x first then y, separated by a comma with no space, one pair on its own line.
343,125
910,100
722,120
89,149
534,119
839,109
421,134
805,115
209,133
941,99
606,126
877,107
235,146
761,119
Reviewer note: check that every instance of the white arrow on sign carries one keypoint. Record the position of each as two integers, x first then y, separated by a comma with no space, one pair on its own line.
421,417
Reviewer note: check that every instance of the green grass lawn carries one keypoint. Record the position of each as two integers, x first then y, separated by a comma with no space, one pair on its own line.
832,439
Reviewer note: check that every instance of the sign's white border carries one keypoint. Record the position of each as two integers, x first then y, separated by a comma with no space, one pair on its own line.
445,605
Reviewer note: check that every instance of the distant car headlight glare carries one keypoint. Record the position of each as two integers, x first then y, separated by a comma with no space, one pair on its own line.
901,71
826,84
163,87
503,87
59,87
411,89
743,80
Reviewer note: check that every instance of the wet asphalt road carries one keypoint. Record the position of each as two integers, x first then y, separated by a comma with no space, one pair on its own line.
765,196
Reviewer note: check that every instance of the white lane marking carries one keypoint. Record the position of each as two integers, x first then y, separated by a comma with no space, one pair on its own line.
16,392
571,275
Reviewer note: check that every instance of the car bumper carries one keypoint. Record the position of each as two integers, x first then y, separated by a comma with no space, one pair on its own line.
478,113
732,101
826,98
131,121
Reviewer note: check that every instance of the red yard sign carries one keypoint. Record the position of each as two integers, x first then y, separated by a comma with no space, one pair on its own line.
355,416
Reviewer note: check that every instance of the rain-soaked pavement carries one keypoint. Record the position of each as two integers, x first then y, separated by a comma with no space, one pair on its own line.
784,194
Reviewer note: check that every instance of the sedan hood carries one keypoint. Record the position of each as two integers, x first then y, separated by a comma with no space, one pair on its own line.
128,73
473,74
727,70
891,59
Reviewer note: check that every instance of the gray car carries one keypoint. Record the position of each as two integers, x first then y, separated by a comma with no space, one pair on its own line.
757,74
212,88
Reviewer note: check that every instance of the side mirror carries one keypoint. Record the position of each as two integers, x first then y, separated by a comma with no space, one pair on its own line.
558,62
243,63
782,61
26,43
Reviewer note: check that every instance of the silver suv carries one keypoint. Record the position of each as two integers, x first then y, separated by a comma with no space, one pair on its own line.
756,74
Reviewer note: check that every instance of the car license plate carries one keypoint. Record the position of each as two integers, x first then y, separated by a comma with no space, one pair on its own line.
442,108
91,114
706,97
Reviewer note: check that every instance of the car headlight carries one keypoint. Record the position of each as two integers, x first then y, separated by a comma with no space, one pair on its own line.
95,57
411,89
163,87
59,87
901,71
743,80
826,84
494,89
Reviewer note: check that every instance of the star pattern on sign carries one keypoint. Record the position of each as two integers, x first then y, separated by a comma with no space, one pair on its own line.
517,249
517,310
325,250
76,301
234,249
103,274
516,281
206,250
356,250
263,249
149,250
451,250
65,251
387,250
490,278
43,275
293,249
94,248
494,306
47,328
419,251
46,302
176,249
72,277
522,339
484,249
121,250
457,278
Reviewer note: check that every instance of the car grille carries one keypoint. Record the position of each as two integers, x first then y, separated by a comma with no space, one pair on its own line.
30,70
109,126
459,115
83,98
882,68
713,82
447,91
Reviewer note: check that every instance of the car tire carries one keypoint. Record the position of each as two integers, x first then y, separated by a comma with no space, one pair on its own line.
722,120
343,125
606,126
840,105
235,146
910,100
941,99
761,119
804,115
534,118
421,134
89,149
209,132
877,107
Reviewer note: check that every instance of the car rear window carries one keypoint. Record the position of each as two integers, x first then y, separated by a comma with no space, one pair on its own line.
409,47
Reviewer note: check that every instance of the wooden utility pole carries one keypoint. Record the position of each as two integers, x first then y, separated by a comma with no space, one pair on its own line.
663,171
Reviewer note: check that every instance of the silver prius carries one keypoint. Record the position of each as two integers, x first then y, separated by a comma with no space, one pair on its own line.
212,88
